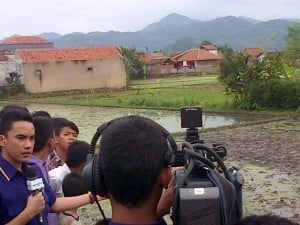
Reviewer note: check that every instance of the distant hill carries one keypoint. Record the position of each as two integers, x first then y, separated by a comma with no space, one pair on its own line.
177,32
51,36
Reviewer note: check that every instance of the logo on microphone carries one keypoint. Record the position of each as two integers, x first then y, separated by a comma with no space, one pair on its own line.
36,184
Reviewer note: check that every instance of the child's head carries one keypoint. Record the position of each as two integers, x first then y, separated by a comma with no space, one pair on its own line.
44,133
132,155
73,185
76,155
41,113
65,133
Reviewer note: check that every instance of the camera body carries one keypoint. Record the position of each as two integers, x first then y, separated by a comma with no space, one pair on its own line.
205,191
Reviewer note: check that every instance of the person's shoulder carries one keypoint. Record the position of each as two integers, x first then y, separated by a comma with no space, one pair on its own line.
56,172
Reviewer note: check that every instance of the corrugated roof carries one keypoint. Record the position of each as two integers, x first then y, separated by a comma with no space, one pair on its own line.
67,54
24,40
197,54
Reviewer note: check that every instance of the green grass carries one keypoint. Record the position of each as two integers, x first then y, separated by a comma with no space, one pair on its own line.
173,82
208,97
166,93
159,93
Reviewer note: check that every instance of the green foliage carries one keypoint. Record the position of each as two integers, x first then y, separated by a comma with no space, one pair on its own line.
238,70
292,51
293,73
135,68
274,94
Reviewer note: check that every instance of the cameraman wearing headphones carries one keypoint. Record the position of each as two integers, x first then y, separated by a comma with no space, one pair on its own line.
134,171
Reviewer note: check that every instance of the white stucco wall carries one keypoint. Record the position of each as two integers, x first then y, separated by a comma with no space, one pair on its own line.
7,67
74,75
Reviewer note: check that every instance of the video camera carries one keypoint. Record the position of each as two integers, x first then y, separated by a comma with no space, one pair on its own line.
205,191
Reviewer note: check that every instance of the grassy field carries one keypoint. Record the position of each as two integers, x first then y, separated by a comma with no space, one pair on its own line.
157,93
170,93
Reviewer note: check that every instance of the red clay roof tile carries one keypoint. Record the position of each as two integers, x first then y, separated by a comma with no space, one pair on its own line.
66,54
24,40
255,52
197,54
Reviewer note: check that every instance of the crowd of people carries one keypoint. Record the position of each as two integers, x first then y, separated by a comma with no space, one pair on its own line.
132,165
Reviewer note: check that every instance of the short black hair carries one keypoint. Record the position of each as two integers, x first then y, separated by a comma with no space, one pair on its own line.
76,153
11,107
265,220
61,122
10,117
132,154
41,113
73,185
43,131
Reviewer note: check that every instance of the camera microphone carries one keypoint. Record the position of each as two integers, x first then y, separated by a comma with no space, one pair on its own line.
34,184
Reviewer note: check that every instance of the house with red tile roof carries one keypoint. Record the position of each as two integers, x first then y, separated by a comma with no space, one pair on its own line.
49,70
210,48
24,42
198,60
158,65
254,52
258,53
204,59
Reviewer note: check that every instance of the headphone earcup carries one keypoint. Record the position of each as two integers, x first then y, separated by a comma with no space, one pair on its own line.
170,157
99,185
93,177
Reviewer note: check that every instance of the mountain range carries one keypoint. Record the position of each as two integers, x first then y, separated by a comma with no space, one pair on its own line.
177,32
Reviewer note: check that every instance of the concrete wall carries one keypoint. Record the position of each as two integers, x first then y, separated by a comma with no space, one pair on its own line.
158,70
74,75
7,67
14,47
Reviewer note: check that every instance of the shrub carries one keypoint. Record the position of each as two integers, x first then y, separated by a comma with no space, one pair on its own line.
273,93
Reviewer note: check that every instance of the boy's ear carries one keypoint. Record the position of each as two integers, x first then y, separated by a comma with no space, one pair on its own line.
165,177
2,140
56,139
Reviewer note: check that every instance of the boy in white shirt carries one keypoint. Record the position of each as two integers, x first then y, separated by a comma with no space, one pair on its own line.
75,161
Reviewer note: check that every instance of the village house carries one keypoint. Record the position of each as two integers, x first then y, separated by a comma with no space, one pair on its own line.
198,60
48,70
24,42
258,53
158,64
203,60
9,67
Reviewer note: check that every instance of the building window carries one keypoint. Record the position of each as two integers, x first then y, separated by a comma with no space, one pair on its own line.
90,69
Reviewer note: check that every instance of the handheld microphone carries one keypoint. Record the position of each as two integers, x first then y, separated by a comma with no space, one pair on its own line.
34,184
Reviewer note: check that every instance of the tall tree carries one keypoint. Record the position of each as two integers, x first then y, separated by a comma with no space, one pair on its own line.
135,68
292,53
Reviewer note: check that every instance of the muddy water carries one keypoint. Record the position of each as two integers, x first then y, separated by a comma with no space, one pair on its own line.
88,118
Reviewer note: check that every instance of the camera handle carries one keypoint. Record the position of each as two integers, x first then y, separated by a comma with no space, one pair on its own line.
216,156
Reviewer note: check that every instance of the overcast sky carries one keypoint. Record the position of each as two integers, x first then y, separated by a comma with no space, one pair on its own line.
32,17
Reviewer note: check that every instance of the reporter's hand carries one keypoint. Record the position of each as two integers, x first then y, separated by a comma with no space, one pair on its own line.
94,198
35,204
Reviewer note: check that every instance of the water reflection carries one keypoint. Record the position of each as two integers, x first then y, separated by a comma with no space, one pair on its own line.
88,118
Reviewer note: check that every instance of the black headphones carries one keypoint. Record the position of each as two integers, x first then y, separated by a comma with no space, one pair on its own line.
92,174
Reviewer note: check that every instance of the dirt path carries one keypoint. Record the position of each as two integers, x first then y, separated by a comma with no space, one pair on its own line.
268,155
